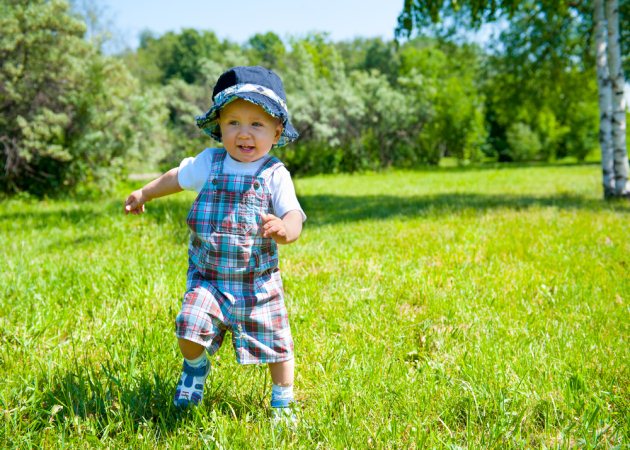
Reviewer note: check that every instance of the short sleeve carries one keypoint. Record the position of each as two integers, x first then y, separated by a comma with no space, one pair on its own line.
284,198
194,172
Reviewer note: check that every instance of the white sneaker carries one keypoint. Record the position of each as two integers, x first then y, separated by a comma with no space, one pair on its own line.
190,386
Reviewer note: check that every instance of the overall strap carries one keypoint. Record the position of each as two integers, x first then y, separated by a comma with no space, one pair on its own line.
217,162
268,167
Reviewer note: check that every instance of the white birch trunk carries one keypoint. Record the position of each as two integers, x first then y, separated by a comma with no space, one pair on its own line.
615,71
605,99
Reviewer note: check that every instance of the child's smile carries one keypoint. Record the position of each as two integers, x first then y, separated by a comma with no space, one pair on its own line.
247,131
247,148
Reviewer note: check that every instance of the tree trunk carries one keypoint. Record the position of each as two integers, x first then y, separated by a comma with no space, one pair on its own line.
605,99
615,71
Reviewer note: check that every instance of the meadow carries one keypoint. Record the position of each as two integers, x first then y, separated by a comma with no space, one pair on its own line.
480,307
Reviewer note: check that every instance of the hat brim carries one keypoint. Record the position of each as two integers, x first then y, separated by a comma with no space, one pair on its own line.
209,122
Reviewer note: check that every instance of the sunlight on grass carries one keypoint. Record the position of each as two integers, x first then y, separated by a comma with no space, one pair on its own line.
481,307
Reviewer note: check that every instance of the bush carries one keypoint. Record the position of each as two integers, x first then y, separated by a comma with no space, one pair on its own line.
70,115
523,143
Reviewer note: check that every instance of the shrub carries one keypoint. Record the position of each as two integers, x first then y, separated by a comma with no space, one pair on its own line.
523,142
70,115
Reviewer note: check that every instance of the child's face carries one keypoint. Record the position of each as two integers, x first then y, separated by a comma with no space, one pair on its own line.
247,131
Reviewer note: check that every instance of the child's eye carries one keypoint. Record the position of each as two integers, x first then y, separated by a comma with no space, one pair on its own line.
233,122
257,124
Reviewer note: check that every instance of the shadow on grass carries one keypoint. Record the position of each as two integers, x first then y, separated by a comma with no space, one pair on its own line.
324,209
89,216
514,165
328,209
50,215
105,401
110,402
38,219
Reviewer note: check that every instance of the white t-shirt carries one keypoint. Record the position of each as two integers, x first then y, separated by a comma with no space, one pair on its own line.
194,172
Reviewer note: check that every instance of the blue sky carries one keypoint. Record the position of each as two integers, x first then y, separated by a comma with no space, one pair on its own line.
343,19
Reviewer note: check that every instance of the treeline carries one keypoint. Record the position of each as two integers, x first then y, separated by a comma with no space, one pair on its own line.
73,117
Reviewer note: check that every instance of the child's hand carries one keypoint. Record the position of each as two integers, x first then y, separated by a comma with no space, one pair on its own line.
135,203
274,228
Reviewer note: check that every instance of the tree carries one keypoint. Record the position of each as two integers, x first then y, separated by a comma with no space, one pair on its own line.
367,54
182,55
267,50
417,14
544,82
611,83
443,76
67,114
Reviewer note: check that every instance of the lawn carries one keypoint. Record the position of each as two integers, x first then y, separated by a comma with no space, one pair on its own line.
482,307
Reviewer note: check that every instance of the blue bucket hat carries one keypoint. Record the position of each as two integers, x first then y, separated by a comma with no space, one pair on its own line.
255,84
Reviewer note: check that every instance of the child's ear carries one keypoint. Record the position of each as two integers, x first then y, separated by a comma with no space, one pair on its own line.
279,129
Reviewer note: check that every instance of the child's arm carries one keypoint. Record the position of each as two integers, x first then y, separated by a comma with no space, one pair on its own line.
164,185
285,230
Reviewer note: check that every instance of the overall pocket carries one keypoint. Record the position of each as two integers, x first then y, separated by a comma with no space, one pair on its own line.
236,203
226,252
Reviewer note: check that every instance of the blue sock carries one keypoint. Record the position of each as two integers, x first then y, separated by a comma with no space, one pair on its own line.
281,396
198,361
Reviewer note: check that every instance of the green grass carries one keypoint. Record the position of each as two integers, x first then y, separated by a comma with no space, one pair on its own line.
479,307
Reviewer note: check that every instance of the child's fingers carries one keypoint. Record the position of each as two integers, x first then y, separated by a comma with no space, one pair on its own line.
274,230
270,227
268,217
138,210
133,206
268,230
130,205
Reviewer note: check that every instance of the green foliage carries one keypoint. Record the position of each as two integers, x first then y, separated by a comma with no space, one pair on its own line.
542,80
179,55
267,50
444,78
392,121
364,104
347,121
70,115
183,56
368,55
184,101
540,72
36,110
523,143
481,307
324,108
369,104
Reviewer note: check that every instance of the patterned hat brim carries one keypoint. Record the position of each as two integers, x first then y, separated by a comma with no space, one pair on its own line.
209,122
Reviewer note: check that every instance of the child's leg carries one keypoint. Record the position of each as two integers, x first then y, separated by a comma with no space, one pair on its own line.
197,328
190,349
195,369
282,373
282,391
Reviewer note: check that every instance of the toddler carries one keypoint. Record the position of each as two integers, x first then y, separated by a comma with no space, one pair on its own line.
246,204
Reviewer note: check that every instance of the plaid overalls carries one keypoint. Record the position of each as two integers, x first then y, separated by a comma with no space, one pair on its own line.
233,280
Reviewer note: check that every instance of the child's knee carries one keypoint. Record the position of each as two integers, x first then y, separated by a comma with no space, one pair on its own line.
193,315
185,318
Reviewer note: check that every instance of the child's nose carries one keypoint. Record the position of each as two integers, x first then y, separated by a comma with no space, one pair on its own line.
243,131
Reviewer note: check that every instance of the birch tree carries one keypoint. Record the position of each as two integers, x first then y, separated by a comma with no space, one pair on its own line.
605,98
618,106
604,14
